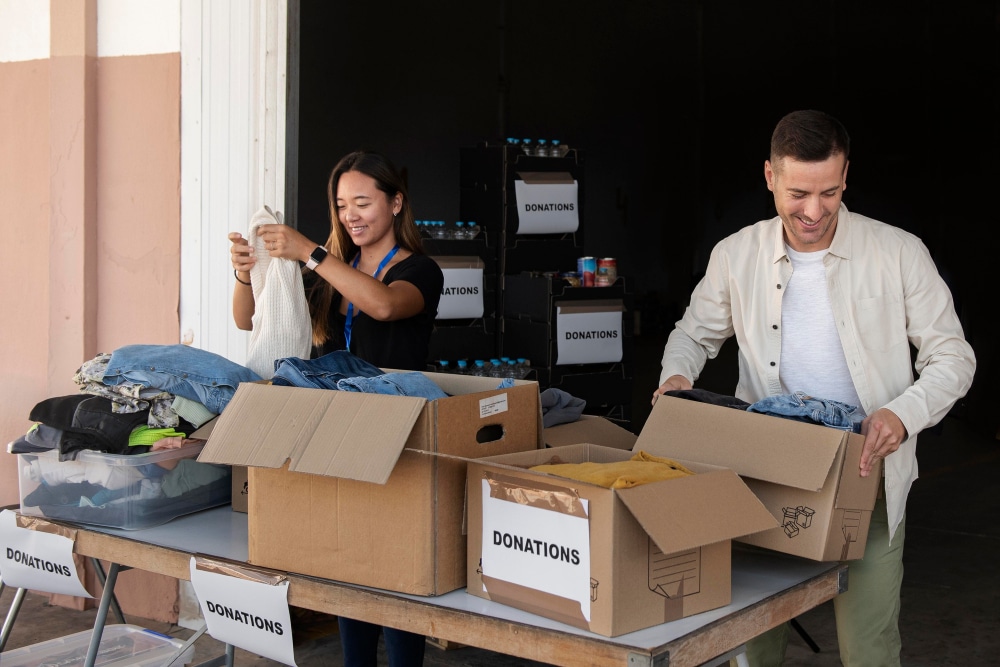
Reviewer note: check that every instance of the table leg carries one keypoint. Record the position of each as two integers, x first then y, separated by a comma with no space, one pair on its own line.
102,614
15,607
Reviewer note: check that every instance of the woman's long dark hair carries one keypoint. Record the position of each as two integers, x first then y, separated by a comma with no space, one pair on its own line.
341,245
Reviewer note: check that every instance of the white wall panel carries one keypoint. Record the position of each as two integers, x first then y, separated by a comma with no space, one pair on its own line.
138,27
24,30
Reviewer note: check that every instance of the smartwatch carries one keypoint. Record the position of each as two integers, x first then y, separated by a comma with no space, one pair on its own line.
316,258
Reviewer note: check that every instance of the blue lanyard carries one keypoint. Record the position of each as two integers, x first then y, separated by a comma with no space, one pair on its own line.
349,322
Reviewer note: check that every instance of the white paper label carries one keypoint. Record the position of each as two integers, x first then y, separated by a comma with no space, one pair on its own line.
37,561
542,549
493,405
461,295
248,614
588,338
546,208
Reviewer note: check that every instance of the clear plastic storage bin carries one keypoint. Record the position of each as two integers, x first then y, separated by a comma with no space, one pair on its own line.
120,645
128,491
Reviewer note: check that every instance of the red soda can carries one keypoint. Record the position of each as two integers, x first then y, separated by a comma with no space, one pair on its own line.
587,267
607,271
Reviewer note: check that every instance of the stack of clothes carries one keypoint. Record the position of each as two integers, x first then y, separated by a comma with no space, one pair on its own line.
138,400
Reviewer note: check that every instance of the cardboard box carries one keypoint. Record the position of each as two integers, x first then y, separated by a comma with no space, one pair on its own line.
805,474
463,295
240,487
368,488
589,428
608,561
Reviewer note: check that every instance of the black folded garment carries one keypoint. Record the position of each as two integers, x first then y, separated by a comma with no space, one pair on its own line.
706,396
90,421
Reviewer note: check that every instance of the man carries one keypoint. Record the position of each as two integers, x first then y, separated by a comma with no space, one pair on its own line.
829,302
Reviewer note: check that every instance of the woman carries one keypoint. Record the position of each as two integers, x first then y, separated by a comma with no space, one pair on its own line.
371,290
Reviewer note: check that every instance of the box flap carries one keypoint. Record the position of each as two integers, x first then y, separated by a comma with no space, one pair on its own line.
854,490
589,306
459,262
764,447
545,177
592,429
342,434
689,512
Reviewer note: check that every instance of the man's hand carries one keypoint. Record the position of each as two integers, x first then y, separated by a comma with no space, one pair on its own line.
673,383
884,433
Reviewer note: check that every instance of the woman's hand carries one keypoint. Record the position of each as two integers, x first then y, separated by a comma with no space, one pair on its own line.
285,242
241,253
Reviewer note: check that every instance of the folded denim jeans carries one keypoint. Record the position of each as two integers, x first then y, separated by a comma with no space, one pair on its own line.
412,383
802,407
322,372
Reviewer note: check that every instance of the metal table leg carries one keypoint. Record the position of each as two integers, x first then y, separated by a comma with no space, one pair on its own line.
15,607
102,613
115,607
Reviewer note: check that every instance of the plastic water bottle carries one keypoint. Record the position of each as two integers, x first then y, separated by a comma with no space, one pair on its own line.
523,368
459,233
542,150
496,368
463,367
526,147
479,368
471,229
443,366
509,371
438,230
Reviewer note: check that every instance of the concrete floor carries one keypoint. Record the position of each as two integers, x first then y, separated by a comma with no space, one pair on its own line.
949,598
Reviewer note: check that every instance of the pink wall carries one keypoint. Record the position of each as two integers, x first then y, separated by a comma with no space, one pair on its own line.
135,227
90,242
24,252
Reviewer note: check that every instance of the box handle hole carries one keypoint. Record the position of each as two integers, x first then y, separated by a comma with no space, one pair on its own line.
490,433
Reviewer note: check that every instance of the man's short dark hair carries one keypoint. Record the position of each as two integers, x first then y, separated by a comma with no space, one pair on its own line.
809,136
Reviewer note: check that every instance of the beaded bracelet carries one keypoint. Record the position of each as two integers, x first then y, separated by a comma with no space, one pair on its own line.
237,276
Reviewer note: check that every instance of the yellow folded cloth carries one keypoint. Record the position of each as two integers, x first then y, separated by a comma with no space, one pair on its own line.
642,468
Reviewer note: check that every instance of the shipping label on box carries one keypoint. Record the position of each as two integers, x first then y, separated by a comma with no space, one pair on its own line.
462,292
589,332
547,203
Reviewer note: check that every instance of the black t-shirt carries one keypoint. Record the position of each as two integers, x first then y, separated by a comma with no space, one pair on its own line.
401,344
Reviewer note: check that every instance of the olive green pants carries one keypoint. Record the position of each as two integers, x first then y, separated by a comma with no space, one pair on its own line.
867,614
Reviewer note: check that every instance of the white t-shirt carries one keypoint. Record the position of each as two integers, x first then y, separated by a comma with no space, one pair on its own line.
812,358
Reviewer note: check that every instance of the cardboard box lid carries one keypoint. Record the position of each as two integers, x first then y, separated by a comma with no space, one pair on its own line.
318,431
592,429
546,177
459,262
589,306
689,512
764,447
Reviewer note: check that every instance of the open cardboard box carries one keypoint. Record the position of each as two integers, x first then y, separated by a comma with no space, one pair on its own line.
589,428
368,488
605,560
805,474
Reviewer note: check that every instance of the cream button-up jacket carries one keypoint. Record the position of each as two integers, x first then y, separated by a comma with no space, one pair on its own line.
887,296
